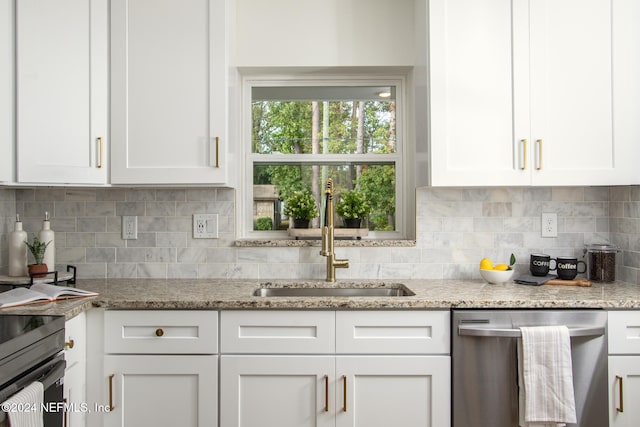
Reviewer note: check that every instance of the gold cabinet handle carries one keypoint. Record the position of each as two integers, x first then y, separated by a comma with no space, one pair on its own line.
539,163
159,332
326,393
100,151
523,165
111,407
69,344
344,393
217,152
621,407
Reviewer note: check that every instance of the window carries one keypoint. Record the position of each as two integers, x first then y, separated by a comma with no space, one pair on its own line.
298,133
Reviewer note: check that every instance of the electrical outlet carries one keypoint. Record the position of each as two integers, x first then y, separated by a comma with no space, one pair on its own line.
549,225
205,226
129,227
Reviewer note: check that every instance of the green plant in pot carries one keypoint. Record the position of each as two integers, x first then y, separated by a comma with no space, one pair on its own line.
37,249
301,206
353,208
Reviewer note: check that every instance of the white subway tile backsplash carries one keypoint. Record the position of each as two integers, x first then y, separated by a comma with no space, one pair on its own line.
455,228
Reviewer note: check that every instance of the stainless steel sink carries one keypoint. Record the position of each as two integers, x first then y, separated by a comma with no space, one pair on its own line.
396,290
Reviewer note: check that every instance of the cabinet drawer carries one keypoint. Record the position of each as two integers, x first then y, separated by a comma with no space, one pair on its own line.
392,332
161,332
277,332
624,332
75,340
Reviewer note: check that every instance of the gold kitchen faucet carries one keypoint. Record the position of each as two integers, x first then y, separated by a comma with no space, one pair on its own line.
327,236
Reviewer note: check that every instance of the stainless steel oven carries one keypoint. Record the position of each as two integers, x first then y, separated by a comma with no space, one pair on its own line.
31,349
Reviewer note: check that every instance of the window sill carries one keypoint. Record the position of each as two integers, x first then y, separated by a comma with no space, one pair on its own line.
291,243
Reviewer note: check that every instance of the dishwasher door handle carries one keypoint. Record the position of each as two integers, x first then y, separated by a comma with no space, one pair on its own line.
475,331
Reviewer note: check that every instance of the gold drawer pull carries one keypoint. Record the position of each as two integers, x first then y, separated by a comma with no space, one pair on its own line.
344,393
159,332
217,152
100,151
326,393
621,407
111,407
523,166
539,165
69,344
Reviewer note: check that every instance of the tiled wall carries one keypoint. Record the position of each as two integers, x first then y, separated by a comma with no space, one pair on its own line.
7,219
456,227
624,210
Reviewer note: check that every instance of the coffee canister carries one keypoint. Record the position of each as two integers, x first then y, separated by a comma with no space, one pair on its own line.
601,262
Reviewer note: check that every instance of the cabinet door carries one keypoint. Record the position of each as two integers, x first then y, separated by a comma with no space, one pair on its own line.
471,95
571,54
75,395
382,391
162,390
283,391
7,104
624,391
168,91
61,87
75,377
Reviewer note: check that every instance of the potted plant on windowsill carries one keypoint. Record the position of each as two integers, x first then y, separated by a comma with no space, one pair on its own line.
301,206
353,208
37,249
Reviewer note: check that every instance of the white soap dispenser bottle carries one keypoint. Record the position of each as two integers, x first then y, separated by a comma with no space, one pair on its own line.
47,235
17,250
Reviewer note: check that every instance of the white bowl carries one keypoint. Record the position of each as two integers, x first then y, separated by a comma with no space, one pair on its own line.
496,276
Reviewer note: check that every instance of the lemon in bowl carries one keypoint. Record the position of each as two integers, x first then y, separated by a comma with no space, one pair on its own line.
498,273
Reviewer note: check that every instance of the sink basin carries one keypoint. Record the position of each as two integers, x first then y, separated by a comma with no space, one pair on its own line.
396,290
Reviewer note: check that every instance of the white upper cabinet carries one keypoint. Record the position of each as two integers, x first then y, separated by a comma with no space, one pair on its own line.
62,91
528,93
168,91
6,92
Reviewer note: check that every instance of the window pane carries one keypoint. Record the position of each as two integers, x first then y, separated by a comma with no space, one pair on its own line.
274,184
323,120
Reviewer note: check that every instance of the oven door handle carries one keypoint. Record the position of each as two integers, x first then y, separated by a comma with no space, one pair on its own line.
475,331
47,375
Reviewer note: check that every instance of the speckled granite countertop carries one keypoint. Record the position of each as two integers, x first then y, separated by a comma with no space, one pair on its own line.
67,308
430,294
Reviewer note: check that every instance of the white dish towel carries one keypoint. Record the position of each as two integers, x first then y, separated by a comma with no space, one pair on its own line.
24,408
545,378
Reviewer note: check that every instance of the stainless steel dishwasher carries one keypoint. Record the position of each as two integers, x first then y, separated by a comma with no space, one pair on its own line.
485,370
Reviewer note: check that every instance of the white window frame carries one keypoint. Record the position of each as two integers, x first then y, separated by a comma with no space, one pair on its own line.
405,196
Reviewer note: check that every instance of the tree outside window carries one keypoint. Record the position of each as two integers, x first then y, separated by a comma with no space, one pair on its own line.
301,136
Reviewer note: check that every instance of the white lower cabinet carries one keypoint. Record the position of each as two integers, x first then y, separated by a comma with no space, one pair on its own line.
283,391
624,391
75,377
381,391
161,368
162,390
624,368
367,385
